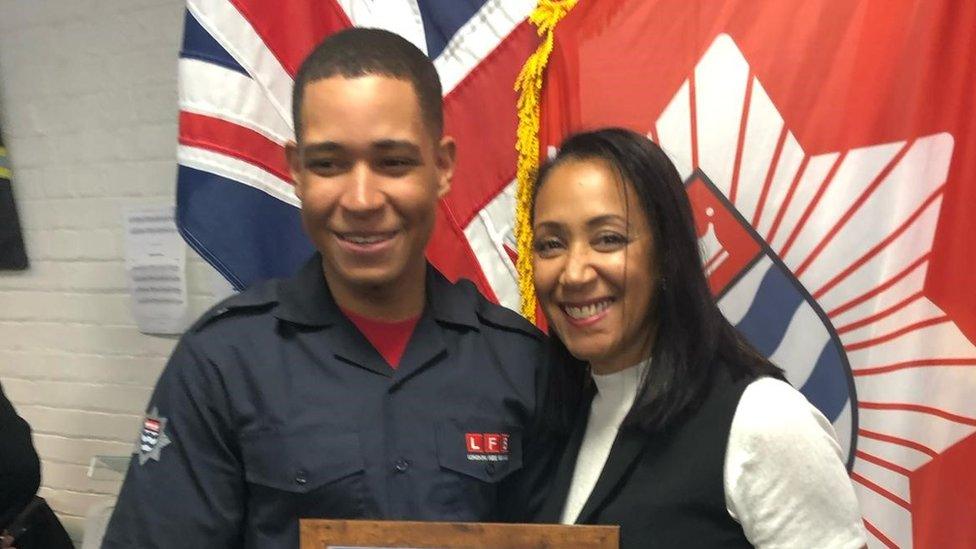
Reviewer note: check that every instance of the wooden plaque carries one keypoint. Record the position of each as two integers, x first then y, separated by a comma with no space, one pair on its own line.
378,534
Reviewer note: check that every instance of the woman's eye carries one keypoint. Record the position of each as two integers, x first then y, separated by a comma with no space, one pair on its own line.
610,241
546,246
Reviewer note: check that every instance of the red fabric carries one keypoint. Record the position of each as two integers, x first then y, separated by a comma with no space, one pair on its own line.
486,156
842,76
225,137
486,136
388,338
291,28
889,71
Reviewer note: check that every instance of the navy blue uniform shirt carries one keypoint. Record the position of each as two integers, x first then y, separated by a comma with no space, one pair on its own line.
274,407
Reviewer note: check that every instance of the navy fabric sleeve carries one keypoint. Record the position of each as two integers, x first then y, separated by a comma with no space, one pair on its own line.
185,485
522,494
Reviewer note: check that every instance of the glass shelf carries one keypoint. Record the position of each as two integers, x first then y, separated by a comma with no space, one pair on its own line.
108,467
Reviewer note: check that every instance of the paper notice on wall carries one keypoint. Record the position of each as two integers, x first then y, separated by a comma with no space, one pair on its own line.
155,260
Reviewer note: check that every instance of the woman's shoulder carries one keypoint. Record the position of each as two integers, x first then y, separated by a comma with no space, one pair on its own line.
771,410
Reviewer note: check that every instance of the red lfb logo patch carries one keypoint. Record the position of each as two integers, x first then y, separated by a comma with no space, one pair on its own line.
151,425
475,443
486,443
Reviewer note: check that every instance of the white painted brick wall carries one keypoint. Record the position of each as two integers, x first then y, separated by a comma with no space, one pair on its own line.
88,106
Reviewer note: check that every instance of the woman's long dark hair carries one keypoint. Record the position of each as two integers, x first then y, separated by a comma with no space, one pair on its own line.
693,338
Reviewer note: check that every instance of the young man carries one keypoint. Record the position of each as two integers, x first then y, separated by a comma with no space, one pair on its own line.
367,386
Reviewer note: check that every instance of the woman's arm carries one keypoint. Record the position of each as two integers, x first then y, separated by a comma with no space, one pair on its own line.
785,480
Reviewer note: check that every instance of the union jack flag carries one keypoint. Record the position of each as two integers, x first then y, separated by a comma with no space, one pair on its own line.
828,149
236,203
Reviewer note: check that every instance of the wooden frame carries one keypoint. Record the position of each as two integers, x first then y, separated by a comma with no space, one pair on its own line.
372,534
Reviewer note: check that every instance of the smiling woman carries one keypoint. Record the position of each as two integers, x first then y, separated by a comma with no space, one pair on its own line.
584,242
676,428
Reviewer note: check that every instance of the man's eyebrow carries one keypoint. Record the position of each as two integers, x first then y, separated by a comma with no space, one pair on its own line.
381,145
388,144
322,147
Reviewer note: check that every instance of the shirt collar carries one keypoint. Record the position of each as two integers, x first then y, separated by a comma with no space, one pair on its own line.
305,298
452,303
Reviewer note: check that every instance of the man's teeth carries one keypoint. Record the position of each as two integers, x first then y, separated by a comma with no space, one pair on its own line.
365,239
586,311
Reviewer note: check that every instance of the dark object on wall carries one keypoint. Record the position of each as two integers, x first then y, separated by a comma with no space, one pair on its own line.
13,256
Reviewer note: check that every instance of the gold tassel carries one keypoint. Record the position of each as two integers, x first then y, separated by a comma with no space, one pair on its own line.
528,84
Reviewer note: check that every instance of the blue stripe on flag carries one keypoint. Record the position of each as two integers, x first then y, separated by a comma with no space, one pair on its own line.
231,224
827,388
777,300
443,18
198,44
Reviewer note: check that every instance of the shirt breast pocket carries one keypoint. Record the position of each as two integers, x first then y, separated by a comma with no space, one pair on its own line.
304,474
475,456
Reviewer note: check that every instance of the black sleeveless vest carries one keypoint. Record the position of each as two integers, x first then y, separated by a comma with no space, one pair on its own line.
664,490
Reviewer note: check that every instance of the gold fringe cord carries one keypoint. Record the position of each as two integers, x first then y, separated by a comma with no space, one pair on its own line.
528,84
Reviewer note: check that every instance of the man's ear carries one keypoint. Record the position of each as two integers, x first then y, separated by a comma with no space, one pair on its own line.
446,157
294,166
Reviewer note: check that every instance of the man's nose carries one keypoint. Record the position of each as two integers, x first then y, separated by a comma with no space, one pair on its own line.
362,194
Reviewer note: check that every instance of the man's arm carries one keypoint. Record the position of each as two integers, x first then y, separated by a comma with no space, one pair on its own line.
185,484
522,494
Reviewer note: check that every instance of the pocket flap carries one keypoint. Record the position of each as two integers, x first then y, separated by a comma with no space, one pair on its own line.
300,462
483,449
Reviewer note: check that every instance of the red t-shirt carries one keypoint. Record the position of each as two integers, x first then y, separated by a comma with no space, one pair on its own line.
388,338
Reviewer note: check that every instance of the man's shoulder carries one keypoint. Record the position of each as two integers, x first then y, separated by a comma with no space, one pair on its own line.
495,317
256,301
242,322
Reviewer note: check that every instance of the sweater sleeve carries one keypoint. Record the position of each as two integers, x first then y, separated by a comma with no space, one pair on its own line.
785,480
20,469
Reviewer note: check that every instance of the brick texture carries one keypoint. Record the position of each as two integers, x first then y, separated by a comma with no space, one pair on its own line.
88,105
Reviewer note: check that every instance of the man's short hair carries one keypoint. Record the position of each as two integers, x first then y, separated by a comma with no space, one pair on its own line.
356,52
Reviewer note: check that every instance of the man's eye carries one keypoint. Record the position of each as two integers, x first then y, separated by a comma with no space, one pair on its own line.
322,165
397,163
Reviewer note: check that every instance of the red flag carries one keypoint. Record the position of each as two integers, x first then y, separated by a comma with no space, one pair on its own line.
829,145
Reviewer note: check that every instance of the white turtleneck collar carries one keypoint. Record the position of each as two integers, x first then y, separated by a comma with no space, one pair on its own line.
621,386
615,395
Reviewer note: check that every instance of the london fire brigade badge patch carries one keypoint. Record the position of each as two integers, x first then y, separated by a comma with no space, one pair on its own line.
152,438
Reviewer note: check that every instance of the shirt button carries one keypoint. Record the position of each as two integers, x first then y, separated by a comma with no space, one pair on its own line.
401,465
490,468
300,477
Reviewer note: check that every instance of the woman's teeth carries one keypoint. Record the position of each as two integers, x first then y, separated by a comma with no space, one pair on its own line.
586,311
